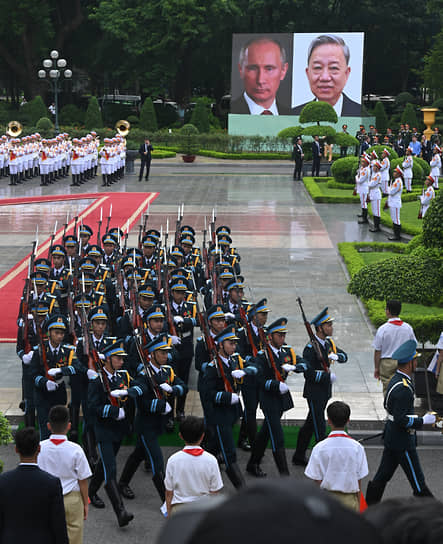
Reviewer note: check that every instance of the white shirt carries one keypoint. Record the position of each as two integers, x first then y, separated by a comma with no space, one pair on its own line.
339,462
191,477
66,460
389,337
255,109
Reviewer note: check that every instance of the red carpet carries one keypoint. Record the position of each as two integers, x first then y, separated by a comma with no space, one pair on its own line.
126,207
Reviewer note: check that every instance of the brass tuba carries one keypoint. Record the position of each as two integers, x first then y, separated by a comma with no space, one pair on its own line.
122,127
14,129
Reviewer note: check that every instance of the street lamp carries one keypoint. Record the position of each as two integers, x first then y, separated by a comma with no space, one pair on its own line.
54,69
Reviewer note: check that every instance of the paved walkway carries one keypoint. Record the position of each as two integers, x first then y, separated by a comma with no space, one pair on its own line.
288,246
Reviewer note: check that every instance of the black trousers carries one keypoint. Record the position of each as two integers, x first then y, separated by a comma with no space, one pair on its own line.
409,462
144,164
314,424
271,429
297,169
315,166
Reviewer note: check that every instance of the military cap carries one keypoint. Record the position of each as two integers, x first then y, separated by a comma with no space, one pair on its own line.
129,261
260,307
97,313
84,301
57,322
187,240
406,352
224,239
86,230
153,234
109,238
374,155
279,325
179,284
87,264
95,251
134,275
162,341
147,290
366,159
215,311
149,241
172,262
226,334
235,283
322,317
386,152
130,252
399,171
42,265
59,250
222,229
155,312
41,308
40,278
70,240
187,229
176,251
118,233
87,277
117,348
226,272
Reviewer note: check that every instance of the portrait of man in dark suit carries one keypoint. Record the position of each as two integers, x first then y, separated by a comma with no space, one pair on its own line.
328,72
31,500
262,67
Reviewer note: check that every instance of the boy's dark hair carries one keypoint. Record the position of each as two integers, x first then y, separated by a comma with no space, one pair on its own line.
191,429
338,412
58,418
394,307
27,441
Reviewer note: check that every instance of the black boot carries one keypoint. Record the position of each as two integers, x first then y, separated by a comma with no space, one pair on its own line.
253,466
90,447
11,179
94,485
376,227
129,470
42,181
374,492
74,181
113,492
30,418
234,474
158,481
303,439
425,492
74,414
397,230
364,216
281,462
95,170
105,183
243,442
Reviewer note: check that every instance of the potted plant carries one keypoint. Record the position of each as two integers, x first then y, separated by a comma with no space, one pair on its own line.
189,145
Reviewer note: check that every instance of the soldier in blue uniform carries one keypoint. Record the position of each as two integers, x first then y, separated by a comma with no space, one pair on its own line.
153,397
275,397
221,398
399,435
50,388
318,383
110,426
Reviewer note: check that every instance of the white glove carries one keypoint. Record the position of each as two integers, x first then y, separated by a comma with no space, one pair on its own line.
166,387
167,409
332,377
119,393
51,386
333,357
235,399
283,388
55,372
101,357
428,419
178,319
288,368
121,413
27,357
175,340
229,315
238,374
92,374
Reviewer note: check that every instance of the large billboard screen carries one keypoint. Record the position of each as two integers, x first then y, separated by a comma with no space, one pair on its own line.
278,74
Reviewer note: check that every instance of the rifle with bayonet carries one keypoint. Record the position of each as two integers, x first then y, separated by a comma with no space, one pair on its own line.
313,339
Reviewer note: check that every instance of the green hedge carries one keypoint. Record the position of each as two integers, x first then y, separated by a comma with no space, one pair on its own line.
318,195
417,170
385,218
433,224
332,184
426,327
162,154
344,170
379,150
244,156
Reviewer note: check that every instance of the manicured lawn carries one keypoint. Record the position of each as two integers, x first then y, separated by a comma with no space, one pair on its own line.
370,257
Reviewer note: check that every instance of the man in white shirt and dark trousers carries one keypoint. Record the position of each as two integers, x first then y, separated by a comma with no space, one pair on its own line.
390,336
67,460
191,473
338,463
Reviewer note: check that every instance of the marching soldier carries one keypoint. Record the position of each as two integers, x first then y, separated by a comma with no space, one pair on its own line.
318,382
362,179
395,190
399,434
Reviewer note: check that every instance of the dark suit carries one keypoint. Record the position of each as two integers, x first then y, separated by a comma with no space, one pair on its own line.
298,156
316,155
31,507
145,159
240,106
349,108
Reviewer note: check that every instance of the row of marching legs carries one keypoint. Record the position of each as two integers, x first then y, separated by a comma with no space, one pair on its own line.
18,177
109,179
53,176
82,177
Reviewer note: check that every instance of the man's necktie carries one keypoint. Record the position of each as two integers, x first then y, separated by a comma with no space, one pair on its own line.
266,112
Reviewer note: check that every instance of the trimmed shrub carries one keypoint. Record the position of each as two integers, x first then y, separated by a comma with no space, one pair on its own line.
424,166
148,119
291,132
71,115
344,170
417,172
33,110
93,117
345,140
189,144
415,278
438,103
409,115
381,119
200,116
324,131
433,224
403,98
134,120
45,127
416,242
379,150
315,112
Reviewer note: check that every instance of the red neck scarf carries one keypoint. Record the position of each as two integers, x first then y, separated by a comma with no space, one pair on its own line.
57,441
397,322
194,451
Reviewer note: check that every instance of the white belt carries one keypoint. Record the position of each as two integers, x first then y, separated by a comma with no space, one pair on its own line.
186,334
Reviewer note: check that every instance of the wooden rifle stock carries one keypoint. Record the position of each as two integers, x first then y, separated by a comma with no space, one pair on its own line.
315,343
269,354
247,326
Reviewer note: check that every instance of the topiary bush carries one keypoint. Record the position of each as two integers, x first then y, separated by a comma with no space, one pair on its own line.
189,144
134,120
315,112
71,115
424,165
381,119
433,224
93,117
379,150
417,172
291,133
438,103
200,116
415,278
345,140
45,127
344,170
409,115
148,119
34,110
